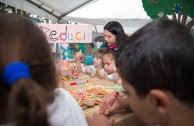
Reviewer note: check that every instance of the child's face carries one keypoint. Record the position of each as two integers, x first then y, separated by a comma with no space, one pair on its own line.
97,62
109,63
142,107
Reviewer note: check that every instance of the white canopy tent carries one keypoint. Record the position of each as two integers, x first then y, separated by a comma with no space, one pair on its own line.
129,13
50,9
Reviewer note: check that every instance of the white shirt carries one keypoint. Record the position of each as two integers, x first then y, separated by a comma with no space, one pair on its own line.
65,111
91,66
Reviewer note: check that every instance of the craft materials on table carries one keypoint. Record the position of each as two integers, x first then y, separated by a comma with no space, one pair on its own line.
94,95
78,82
74,71
72,74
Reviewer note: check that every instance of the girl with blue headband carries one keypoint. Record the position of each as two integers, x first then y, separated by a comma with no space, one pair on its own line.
28,85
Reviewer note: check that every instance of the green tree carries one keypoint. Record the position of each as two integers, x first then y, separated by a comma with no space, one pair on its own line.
180,10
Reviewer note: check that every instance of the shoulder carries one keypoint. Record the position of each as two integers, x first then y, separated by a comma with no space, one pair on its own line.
65,110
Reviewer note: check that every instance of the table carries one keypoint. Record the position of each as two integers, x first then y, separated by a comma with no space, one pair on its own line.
120,118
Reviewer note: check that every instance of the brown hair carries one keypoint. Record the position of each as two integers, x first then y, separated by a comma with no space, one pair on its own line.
99,53
27,99
111,53
116,29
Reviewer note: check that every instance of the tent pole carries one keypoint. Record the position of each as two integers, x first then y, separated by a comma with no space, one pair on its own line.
95,28
40,6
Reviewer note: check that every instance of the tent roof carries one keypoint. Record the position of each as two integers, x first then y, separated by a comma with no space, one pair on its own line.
50,9
122,9
129,13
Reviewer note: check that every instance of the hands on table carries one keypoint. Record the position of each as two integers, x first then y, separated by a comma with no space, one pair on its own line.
98,120
101,74
109,105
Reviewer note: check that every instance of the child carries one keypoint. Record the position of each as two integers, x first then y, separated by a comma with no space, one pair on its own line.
91,69
28,84
157,71
109,69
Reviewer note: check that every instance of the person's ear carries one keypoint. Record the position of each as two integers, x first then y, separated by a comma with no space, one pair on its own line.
161,100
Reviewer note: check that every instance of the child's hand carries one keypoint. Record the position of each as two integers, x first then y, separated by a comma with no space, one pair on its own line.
101,74
89,70
98,120
79,56
109,105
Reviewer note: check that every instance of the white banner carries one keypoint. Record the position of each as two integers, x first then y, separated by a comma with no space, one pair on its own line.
67,33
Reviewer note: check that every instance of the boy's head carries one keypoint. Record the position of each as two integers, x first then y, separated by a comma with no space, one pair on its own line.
108,60
156,64
97,62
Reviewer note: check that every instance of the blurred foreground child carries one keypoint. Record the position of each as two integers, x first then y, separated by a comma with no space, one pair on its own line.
28,85
157,71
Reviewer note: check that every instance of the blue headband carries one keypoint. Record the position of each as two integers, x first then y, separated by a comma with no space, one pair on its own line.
15,71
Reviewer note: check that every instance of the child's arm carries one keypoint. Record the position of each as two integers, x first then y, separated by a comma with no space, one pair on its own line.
98,120
114,103
101,73
116,77
89,70
78,64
